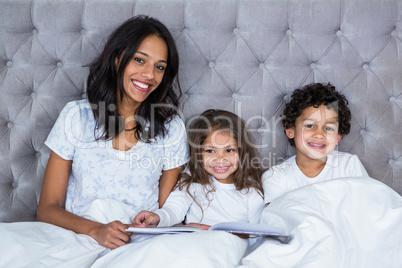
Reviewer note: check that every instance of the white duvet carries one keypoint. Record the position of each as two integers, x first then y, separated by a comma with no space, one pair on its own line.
349,222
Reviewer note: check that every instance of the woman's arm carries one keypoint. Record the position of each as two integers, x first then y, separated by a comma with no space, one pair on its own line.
166,183
50,208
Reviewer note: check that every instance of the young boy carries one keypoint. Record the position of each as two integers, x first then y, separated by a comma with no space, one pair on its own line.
315,120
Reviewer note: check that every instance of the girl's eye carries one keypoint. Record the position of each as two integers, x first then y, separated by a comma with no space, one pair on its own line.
230,150
210,151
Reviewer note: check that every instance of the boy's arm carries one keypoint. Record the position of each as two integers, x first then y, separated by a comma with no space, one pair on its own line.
273,185
352,166
356,168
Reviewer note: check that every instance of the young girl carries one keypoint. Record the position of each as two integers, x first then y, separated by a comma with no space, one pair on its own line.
118,145
220,183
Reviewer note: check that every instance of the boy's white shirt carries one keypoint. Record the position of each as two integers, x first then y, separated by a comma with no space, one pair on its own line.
226,205
287,176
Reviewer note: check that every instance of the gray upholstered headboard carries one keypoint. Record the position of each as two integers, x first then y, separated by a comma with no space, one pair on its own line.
245,56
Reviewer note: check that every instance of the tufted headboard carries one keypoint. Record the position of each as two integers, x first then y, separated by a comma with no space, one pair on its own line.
245,56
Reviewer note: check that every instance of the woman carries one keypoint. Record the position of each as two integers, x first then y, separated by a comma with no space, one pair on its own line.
125,143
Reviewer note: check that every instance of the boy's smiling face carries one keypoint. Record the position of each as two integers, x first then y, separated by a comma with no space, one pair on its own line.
315,133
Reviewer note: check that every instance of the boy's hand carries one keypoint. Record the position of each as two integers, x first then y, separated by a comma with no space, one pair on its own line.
146,219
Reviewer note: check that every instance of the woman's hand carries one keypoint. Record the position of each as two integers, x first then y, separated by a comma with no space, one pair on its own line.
111,235
146,219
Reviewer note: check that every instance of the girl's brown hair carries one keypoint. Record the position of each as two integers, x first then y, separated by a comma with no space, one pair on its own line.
246,176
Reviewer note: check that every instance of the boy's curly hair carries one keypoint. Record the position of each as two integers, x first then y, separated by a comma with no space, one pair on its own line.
316,94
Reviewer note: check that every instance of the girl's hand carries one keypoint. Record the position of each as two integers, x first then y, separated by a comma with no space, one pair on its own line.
146,219
111,235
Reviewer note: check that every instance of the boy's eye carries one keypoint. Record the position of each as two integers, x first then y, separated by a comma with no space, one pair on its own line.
308,126
329,129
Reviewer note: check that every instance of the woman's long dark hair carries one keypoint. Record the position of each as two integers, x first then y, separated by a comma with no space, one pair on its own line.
105,79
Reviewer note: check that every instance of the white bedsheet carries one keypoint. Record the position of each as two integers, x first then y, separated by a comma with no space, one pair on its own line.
350,222
196,250
36,244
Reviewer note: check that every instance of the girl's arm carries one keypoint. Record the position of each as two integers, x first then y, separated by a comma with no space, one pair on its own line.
166,183
175,208
255,206
50,208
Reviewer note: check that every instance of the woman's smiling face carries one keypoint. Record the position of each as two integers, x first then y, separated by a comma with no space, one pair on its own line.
144,73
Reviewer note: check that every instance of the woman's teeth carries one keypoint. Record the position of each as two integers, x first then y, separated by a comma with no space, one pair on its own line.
141,85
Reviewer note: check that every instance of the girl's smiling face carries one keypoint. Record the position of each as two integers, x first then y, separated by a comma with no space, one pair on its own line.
315,133
220,156
145,71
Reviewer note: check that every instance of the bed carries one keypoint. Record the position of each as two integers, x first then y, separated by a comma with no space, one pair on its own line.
245,56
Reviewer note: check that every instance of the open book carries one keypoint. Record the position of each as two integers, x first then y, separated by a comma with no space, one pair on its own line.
240,228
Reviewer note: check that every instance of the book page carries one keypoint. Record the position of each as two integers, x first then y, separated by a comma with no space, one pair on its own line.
248,228
239,228
163,230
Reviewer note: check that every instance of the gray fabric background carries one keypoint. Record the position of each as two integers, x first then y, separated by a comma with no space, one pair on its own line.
245,56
